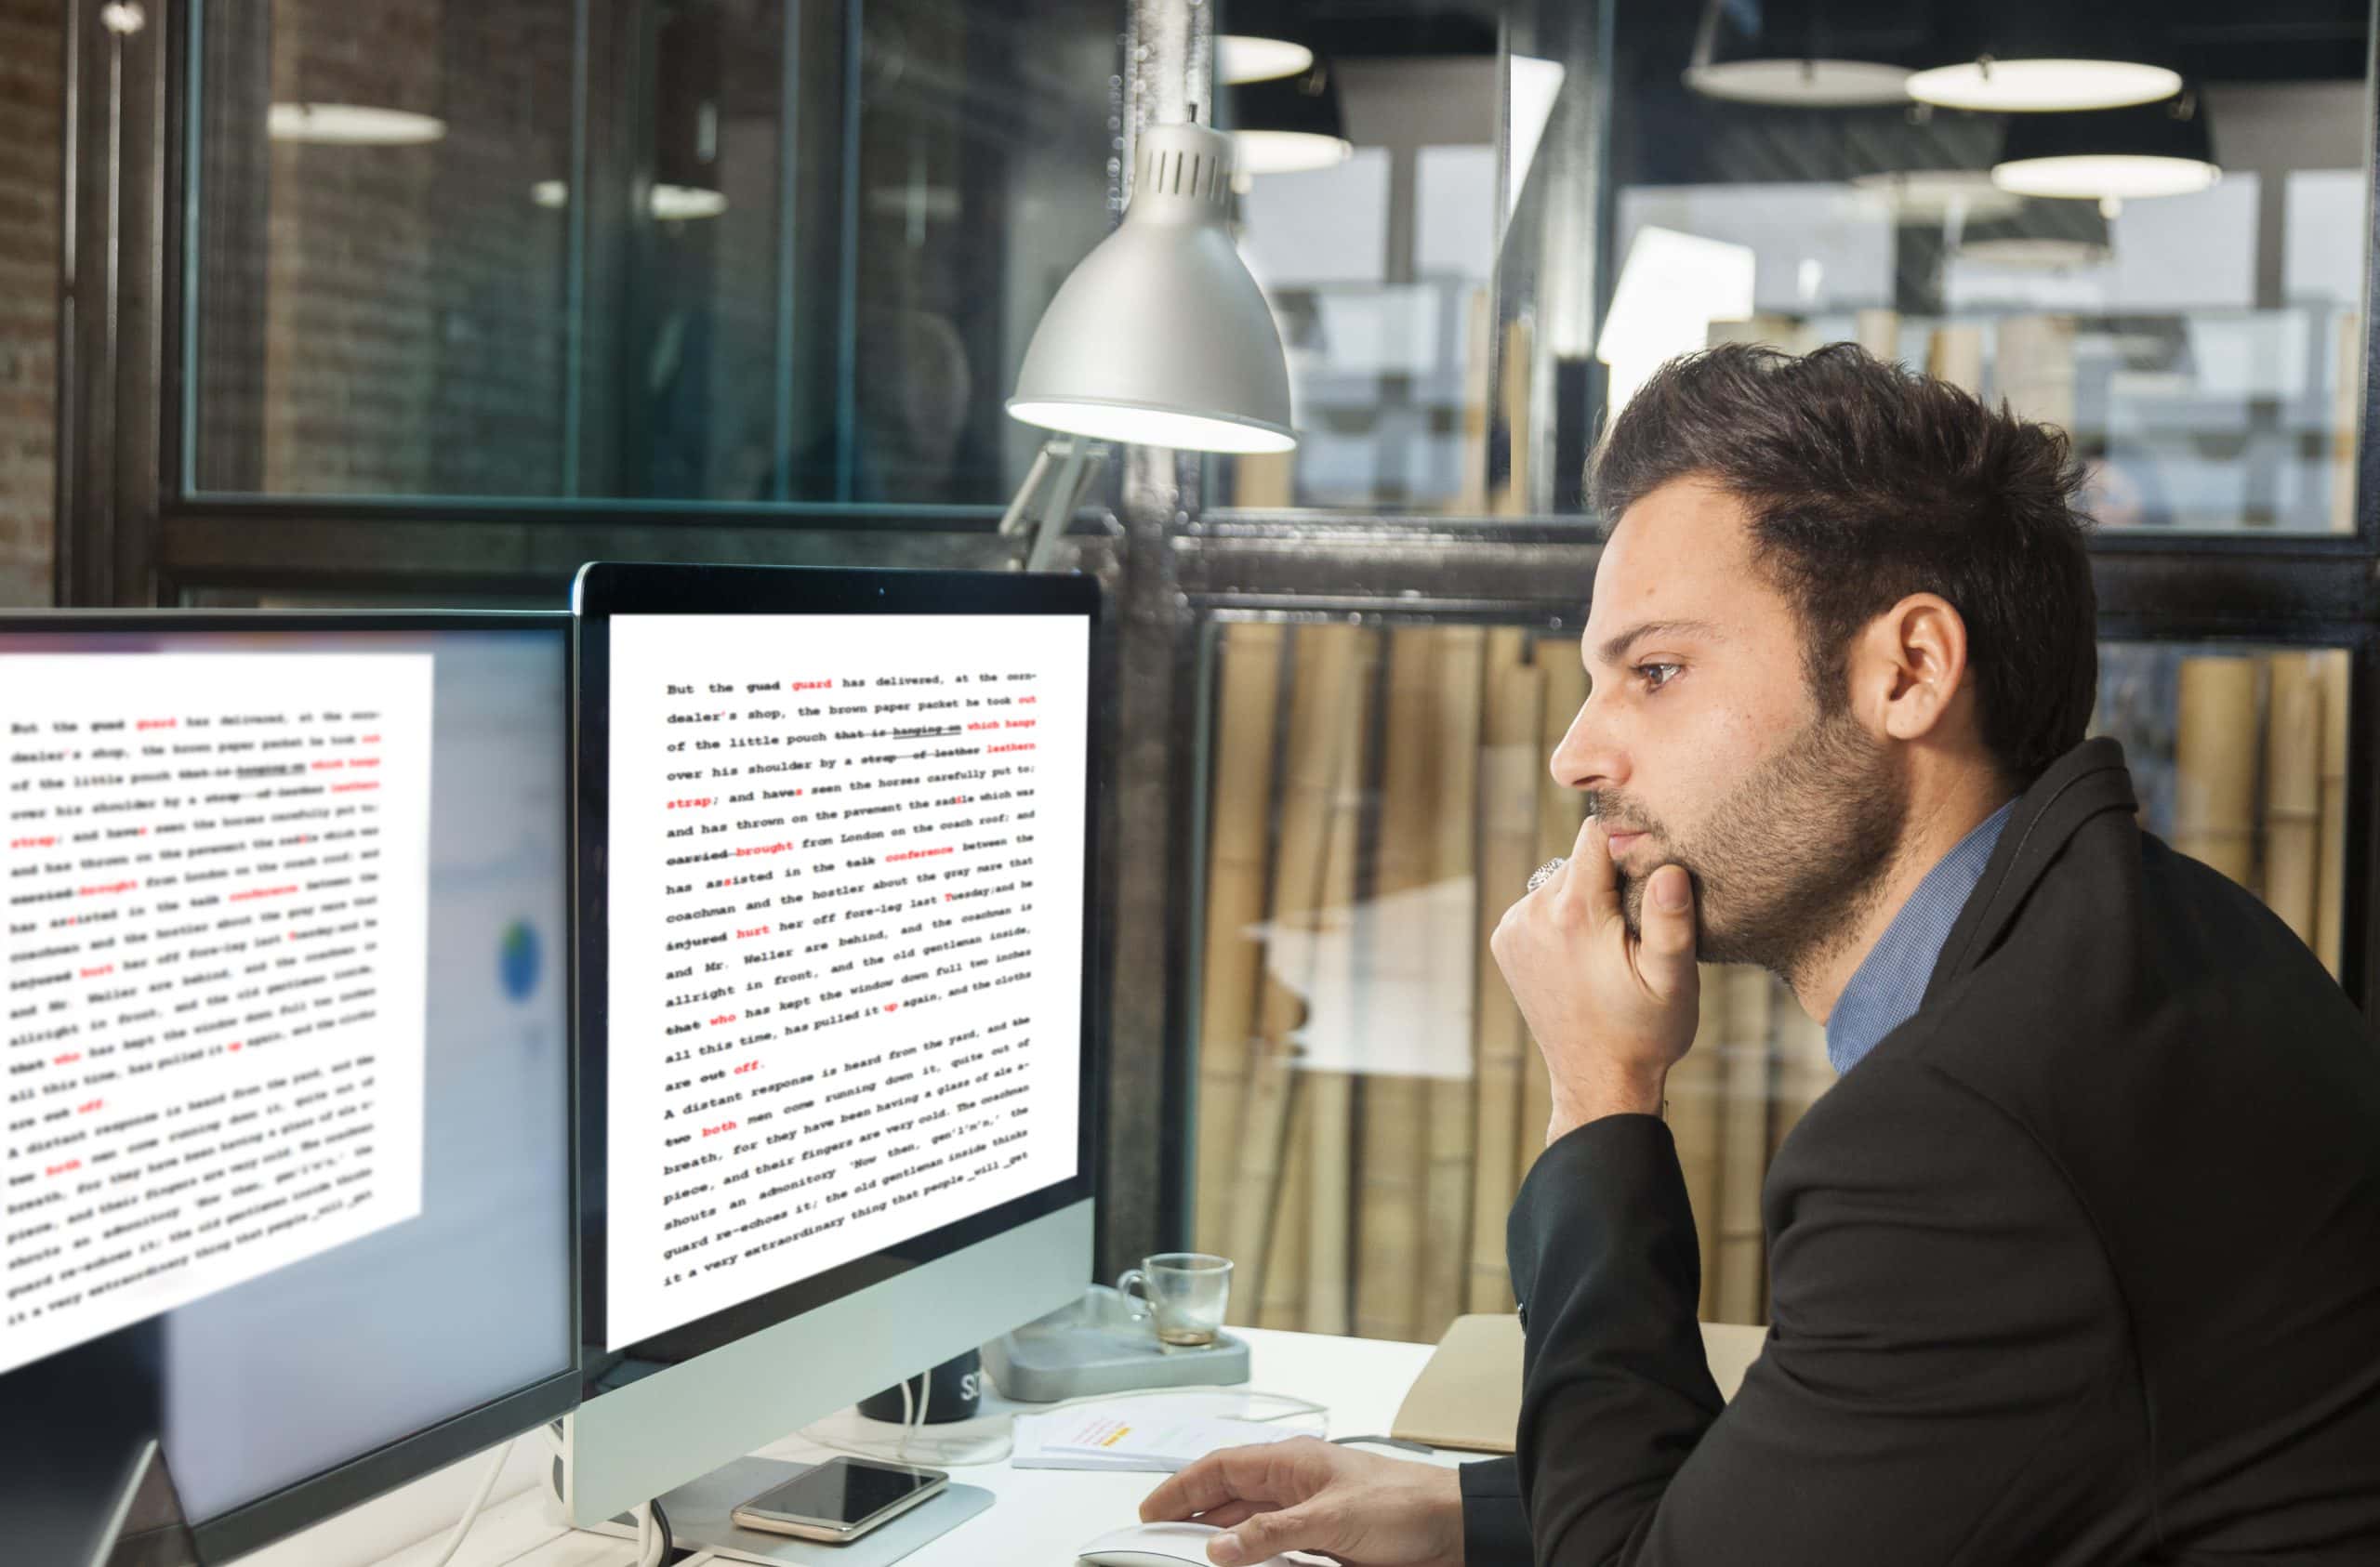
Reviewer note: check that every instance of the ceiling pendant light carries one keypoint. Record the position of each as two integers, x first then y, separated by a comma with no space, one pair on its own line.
2028,57
351,125
1934,195
1241,58
1289,126
1783,53
2149,150
1160,336
2039,236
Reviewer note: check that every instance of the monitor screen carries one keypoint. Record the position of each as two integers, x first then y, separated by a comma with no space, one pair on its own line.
844,956
846,967
288,1039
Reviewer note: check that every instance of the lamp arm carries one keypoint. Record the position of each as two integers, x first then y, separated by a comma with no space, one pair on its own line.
1076,470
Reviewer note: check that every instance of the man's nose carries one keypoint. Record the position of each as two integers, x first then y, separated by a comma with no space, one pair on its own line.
1588,757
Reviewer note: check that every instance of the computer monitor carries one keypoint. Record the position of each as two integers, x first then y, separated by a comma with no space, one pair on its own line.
837,1066
288,1065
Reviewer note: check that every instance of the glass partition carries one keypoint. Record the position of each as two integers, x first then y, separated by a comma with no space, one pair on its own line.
1368,1098
693,251
1496,229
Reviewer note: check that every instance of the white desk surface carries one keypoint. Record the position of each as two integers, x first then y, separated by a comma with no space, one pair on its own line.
1042,1517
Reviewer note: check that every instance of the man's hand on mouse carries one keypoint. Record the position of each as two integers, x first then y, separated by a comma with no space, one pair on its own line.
1611,1012
1303,1494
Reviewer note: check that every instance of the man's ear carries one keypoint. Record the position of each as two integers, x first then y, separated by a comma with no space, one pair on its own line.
1908,669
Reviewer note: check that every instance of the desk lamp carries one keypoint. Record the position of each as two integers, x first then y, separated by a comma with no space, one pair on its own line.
1160,336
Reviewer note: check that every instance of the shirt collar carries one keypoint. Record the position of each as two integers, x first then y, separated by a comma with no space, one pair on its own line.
1890,981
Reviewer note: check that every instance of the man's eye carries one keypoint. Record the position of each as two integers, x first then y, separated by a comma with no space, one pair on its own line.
1657,675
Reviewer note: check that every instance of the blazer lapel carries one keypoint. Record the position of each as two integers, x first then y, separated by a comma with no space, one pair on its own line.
2087,781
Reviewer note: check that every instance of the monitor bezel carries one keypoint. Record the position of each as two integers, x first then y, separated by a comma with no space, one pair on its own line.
304,1503
607,588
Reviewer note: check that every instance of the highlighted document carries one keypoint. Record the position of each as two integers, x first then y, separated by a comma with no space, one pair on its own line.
217,880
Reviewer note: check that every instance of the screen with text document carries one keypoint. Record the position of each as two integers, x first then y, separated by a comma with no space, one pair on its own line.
844,953
287,1058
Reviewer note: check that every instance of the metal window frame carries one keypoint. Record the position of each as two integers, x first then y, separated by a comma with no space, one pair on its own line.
1173,566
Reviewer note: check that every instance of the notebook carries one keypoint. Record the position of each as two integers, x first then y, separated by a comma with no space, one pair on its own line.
1469,1396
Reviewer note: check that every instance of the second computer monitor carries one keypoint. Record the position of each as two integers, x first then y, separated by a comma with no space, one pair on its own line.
287,1142
837,961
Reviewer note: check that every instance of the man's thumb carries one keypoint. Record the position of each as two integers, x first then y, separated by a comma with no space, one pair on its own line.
1270,1534
1667,937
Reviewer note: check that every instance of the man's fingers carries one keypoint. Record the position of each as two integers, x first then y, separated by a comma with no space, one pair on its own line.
1232,1514
1310,1527
1590,879
1237,1474
1665,949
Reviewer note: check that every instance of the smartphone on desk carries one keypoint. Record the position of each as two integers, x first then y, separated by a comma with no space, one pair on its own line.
841,1499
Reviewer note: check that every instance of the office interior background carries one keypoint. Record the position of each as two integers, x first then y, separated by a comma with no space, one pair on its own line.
425,302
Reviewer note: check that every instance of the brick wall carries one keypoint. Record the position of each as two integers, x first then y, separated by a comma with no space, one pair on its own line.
29,110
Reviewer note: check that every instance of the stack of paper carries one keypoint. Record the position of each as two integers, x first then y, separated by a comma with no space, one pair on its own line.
1128,1434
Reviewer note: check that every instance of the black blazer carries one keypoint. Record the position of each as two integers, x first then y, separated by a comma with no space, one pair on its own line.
2080,1265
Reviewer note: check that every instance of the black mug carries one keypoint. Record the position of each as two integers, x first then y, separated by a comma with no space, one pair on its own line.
956,1393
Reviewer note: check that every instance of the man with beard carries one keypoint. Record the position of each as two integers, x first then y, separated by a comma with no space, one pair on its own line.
2079,1259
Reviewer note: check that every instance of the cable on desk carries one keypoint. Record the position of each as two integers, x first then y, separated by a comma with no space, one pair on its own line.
472,1513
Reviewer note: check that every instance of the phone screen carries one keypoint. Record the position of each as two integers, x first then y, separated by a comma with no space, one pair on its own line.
842,1491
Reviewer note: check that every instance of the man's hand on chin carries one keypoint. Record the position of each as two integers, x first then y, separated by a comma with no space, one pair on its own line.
1303,1494
1611,1012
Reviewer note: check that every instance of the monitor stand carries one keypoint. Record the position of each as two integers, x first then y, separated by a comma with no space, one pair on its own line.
82,1481
698,1517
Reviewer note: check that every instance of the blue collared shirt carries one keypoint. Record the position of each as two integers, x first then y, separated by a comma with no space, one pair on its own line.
1891,979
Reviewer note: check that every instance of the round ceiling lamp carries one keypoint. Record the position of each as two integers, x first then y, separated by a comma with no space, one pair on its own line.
2037,57
2044,86
1934,195
351,125
2040,236
2149,150
1289,126
1240,58
1784,55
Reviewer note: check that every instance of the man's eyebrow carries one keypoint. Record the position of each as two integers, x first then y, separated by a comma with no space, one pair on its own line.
1616,649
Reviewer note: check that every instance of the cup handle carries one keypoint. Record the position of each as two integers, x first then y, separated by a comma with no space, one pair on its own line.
1125,1285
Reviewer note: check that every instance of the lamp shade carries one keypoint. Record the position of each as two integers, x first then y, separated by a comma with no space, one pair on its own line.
1245,57
2039,234
1160,336
1810,54
1289,124
2149,150
2044,56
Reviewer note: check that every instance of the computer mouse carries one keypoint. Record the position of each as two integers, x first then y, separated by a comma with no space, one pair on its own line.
1161,1544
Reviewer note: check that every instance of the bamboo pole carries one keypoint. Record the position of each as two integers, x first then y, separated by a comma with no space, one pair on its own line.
1396,1108
2294,791
1955,354
2035,367
1878,331
1280,1300
2215,765
1332,1093
2332,870
1519,371
1559,811
1744,1156
1508,775
1322,706
1461,655
1478,370
2347,419
1247,661
1696,1126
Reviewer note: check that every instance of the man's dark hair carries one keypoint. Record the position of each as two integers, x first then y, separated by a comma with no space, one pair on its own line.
1868,482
